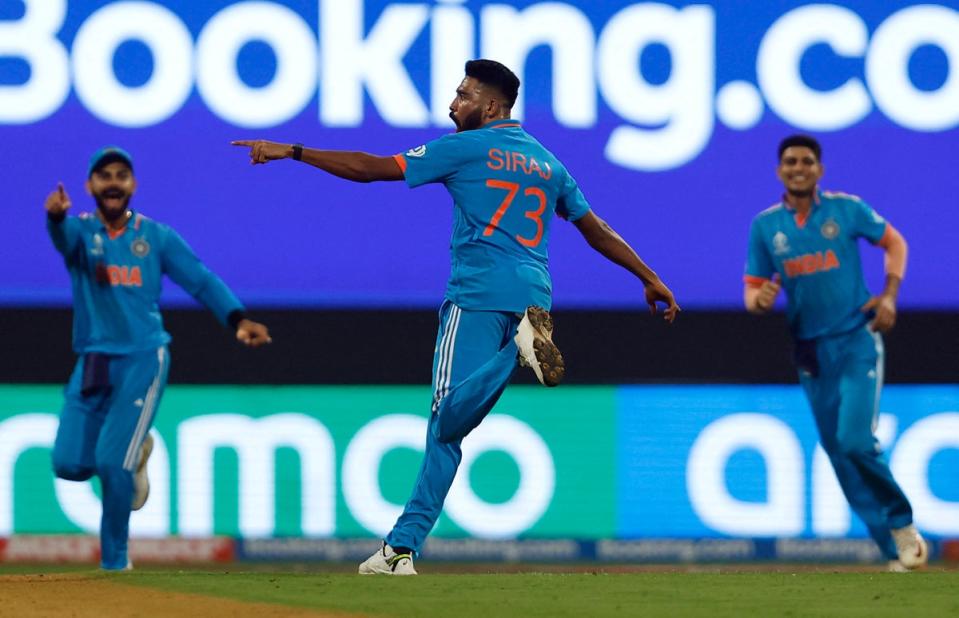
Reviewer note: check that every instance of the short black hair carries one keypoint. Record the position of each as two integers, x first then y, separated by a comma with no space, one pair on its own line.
495,74
805,141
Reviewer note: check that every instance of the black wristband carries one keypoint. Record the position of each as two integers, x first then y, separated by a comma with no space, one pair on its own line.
297,152
58,217
236,316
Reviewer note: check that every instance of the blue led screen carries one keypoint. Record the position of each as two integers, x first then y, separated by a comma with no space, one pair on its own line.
667,114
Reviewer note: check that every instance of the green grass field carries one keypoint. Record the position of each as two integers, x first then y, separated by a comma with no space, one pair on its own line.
670,591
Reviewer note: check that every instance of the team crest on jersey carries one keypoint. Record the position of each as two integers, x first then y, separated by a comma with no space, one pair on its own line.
97,248
829,229
780,244
140,248
419,151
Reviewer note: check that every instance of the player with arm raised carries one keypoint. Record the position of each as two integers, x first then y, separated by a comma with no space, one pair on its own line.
116,259
506,188
808,245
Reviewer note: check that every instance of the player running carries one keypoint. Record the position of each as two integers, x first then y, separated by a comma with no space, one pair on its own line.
116,259
808,244
506,187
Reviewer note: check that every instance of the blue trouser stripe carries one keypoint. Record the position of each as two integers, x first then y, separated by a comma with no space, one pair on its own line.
845,403
101,434
446,348
146,414
474,360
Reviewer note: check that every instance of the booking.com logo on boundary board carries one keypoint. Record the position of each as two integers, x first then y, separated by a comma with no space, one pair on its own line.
663,125
586,463
667,115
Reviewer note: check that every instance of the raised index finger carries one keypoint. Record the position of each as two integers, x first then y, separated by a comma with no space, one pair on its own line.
243,142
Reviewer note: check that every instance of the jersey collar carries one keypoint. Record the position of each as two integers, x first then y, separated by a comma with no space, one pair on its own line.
132,220
816,199
505,123
801,220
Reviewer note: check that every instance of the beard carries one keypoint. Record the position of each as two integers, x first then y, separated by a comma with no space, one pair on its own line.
470,122
113,211
801,192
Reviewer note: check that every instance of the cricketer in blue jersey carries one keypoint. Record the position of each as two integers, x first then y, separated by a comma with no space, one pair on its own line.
808,244
507,189
116,259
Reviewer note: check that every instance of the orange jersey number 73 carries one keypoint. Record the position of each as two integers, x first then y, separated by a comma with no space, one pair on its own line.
512,188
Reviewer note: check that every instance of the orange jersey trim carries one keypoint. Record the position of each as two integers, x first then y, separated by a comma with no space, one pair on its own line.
753,281
507,126
886,237
401,161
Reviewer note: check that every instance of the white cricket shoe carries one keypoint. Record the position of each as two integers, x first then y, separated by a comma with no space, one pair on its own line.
388,562
141,482
534,338
912,548
128,567
895,566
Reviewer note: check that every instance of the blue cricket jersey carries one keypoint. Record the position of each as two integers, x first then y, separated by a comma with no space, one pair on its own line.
116,281
818,261
506,187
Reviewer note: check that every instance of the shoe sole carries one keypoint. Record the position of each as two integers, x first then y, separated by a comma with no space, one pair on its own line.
142,470
548,356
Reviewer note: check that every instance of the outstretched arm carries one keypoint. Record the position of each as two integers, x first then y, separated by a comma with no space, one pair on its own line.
884,305
186,270
611,245
355,166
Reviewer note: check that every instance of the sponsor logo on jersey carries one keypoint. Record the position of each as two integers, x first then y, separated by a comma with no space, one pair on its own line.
419,151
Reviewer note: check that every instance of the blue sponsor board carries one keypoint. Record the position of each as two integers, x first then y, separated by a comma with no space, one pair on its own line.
639,551
733,461
668,115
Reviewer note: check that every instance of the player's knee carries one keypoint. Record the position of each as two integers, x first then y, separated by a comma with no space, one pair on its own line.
448,432
71,472
443,433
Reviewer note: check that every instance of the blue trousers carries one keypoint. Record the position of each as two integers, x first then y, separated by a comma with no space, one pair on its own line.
474,359
101,433
845,402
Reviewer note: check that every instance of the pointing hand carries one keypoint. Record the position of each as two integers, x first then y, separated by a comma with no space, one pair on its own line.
58,202
262,151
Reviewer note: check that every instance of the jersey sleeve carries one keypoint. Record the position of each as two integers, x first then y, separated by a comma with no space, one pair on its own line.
65,235
182,265
866,222
572,204
759,264
435,161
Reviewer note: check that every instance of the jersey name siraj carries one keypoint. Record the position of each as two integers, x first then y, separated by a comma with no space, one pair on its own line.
512,161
